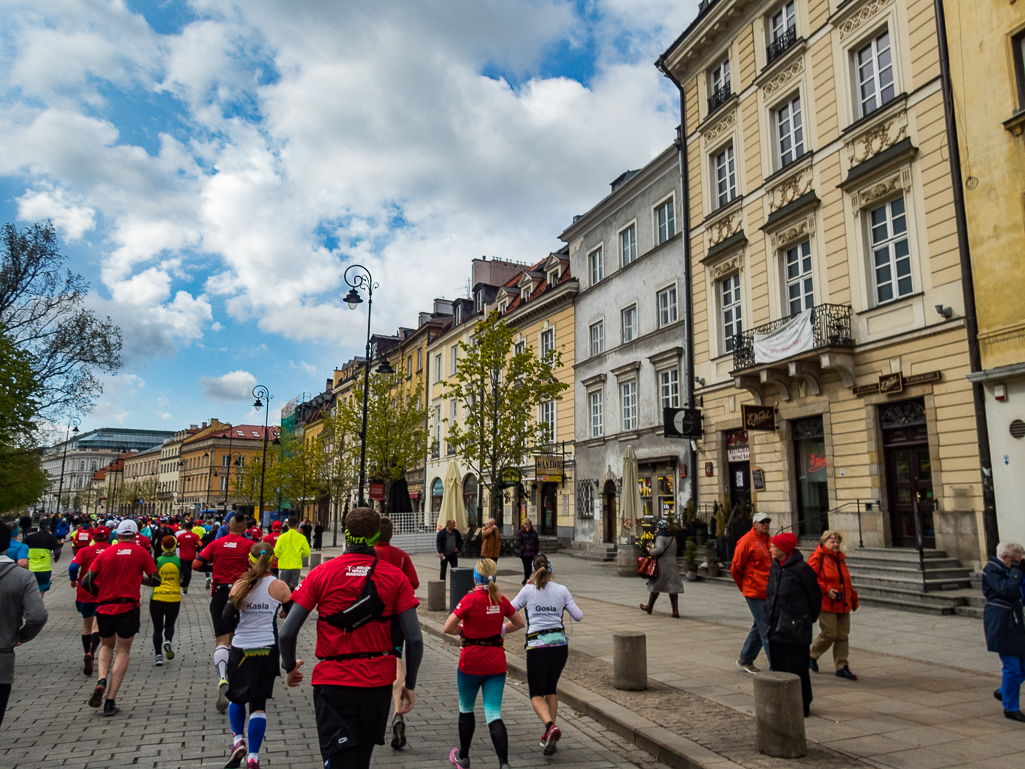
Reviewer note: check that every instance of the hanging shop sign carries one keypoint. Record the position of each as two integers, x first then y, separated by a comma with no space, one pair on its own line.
377,491
795,336
510,477
759,417
891,383
708,469
681,423
548,468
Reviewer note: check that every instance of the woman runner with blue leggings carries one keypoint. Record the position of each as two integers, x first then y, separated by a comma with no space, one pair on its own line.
486,616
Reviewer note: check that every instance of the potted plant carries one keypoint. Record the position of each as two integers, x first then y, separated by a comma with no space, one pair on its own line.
690,557
712,560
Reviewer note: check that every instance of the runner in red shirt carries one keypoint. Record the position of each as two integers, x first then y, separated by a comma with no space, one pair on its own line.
83,536
115,576
85,601
352,683
229,559
188,546
272,537
483,612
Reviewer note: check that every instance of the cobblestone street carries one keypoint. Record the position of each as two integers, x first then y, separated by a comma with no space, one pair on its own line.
168,719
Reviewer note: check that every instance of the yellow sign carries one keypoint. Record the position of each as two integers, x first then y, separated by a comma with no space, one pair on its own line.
548,468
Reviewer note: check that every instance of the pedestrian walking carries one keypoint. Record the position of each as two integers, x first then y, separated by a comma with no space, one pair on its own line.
547,645
529,545
1003,623
42,546
750,570
352,683
85,601
116,575
254,661
449,542
166,601
792,604
491,541
839,599
667,579
318,536
22,615
482,619
290,549
306,530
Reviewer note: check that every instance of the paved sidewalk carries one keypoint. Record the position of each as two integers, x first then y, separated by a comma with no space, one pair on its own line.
924,698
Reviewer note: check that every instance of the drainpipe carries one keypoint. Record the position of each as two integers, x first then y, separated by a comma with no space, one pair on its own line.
989,510
688,312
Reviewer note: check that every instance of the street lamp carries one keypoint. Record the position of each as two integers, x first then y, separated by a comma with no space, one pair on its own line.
113,495
73,424
234,458
262,394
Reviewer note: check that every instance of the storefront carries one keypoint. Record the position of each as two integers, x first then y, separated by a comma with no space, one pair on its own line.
437,494
738,458
810,464
908,472
656,479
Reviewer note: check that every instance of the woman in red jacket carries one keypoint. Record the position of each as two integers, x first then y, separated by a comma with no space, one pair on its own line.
839,599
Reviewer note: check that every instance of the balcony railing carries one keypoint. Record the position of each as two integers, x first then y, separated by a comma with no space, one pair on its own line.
780,45
719,97
831,324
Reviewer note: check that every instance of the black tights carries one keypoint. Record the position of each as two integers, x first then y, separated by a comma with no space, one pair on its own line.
356,757
164,614
5,694
499,736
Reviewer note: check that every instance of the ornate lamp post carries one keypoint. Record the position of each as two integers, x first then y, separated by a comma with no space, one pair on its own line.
73,424
262,394
234,458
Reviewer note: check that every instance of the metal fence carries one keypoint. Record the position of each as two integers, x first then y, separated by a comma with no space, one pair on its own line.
413,532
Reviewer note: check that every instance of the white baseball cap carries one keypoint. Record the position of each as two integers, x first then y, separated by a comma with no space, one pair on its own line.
758,518
127,528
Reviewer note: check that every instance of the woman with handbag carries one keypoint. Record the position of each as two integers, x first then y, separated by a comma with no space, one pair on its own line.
667,576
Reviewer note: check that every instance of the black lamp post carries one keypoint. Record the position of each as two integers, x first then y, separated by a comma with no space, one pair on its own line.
261,394
73,424
234,458
113,495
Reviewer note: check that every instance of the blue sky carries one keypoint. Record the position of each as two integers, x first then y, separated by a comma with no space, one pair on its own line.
212,167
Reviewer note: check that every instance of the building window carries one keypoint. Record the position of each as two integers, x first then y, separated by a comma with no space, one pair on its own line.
725,177
782,22
454,359
597,334
628,404
409,366
719,85
891,257
628,245
1018,54
526,291
437,367
789,133
419,360
546,416
478,301
665,222
800,295
458,317
547,343
668,389
453,411
666,306
518,348
596,265
502,307
874,66
594,400
729,293
629,324
553,277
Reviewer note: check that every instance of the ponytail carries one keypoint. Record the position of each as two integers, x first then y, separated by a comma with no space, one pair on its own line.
484,573
542,571
259,566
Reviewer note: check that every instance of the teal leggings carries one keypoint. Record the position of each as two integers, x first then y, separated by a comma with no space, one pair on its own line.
493,686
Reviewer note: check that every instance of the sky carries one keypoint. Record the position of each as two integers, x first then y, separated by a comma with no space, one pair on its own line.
213,167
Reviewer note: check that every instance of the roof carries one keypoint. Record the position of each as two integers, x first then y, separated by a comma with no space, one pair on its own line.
703,9
238,433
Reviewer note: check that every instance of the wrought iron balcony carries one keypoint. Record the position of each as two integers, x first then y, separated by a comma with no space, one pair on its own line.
831,324
780,45
719,97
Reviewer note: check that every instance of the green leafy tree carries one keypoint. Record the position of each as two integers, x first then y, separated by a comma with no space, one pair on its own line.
22,479
245,481
499,393
299,471
340,469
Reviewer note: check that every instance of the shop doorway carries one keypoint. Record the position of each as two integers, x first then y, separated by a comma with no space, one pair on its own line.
609,511
812,484
548,513
738,459
908,473
437,494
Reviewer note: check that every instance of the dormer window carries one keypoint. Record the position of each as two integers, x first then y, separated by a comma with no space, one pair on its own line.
527,291
553,277
479,301
502,307
458,316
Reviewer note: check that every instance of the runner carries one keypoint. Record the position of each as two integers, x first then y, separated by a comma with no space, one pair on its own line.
82,537
254,662
188,546
41,545
547,645
290,550
272,537
85,601
401,560
166,601
486,617
114,577
352,682
229,557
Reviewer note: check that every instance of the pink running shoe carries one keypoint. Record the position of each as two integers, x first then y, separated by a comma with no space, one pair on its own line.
253,763
462,763
552,735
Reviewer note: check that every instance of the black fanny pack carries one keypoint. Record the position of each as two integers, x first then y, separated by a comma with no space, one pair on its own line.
368,607
493,640
356,656
108,601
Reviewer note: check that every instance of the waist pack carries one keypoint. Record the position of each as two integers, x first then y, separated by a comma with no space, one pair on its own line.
368,606
494,640
539,633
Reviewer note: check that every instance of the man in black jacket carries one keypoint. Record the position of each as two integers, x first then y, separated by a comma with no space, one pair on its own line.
449,543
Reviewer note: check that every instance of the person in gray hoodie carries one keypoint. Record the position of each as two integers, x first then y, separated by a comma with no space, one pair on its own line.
22,614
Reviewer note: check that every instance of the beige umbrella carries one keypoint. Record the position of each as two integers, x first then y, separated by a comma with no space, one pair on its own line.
452,502
630,504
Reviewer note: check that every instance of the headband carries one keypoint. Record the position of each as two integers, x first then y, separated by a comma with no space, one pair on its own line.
480,579
254,559
368,541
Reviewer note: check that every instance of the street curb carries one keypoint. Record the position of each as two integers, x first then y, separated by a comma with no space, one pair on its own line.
667,747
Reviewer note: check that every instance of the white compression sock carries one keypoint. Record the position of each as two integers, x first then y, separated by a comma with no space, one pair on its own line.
221,661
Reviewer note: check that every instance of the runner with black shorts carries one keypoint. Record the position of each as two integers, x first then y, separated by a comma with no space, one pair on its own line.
166,602
254,661
543,602
352,683
188,546
85,601
42,545
229,559
115,576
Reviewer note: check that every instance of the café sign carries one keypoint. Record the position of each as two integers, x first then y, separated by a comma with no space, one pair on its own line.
759,417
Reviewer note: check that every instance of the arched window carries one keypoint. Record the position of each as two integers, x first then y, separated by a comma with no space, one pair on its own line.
470,499
437,492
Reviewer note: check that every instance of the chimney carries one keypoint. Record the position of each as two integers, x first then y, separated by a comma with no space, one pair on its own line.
203,427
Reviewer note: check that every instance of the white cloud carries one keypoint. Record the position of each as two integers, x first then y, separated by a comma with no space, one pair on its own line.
163,415
230,387
120,398
302,367
73,220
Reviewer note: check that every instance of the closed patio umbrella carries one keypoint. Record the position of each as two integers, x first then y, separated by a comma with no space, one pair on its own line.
630,505
398,498
452,502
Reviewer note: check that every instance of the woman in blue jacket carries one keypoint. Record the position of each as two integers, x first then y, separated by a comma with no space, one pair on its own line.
1002,620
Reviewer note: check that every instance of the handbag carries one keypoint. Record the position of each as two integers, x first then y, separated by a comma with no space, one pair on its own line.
647,567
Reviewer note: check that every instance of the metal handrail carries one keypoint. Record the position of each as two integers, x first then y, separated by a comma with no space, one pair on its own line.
780,45
844,508
831,325
719,97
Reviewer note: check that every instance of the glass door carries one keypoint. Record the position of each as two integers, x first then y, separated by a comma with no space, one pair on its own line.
812,483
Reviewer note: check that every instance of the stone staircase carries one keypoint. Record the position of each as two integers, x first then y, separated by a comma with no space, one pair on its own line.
549,544
893,577
598,553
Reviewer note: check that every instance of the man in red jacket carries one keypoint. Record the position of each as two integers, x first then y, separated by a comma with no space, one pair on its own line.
750,570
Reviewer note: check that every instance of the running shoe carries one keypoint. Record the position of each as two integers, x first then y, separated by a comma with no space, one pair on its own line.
398,731
168,651
158,661
253,763
238,754
87,664
185,591
97,699
222,697
110,708
462,763
551,736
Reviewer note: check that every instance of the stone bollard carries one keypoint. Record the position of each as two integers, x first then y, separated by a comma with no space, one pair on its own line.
436,595
315,560
629,660
779,715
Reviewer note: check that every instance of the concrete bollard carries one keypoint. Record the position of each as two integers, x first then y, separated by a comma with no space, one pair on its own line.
436,595
779,715
629,660
315,560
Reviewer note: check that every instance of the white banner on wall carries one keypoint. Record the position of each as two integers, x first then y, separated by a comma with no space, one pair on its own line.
794,336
